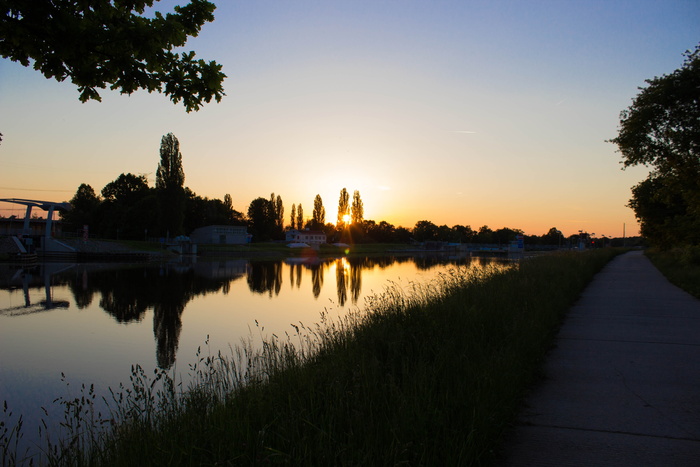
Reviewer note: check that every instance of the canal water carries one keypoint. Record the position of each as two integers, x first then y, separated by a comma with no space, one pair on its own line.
64,325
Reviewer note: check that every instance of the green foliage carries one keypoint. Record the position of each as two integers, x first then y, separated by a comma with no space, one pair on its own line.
100,43
661,129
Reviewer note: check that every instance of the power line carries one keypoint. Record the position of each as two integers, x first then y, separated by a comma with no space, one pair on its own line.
33,189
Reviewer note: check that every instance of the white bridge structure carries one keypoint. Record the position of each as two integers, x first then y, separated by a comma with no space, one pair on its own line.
49,244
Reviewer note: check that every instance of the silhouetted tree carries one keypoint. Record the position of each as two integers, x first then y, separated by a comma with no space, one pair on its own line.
661,130
275,204
462,234
552,237
383,232
505,235
170,181
425,231
85,206
202,211
358,210
663,211
122,211
343,208
228,202
126,189
402,235
485,235
444,233
293,217
318,218
279,214
300,217
261,219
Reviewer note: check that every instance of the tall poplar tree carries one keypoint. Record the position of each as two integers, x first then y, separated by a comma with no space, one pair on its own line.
300,217
319,214
358,210
293,217
170,182
343,208
277,211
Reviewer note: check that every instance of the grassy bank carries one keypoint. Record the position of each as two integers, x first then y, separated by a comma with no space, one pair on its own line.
429,376
681,266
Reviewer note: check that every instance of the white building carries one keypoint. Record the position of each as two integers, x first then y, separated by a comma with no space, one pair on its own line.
220,234
310,237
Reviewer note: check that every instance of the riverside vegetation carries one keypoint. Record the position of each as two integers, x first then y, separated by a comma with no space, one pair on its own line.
428,374
681,266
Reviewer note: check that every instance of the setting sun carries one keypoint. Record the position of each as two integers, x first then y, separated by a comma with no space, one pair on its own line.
347,218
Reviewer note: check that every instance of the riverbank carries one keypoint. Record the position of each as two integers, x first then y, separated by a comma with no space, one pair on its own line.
432,376
267,250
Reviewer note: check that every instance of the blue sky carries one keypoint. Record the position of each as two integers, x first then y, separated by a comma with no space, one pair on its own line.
475,113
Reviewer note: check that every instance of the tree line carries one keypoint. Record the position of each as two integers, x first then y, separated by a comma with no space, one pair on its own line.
127,208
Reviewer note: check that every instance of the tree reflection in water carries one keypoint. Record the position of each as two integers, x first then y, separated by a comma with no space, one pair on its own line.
128,292
316,279
340,276
265,277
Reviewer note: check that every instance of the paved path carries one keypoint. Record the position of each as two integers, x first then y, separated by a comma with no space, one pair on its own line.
622,386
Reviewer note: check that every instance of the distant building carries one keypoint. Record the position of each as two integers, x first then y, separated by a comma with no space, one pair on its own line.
220,234
310,237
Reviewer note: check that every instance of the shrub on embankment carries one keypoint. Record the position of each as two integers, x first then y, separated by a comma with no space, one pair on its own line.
429,376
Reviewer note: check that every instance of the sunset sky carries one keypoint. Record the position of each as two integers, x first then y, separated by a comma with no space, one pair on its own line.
457,112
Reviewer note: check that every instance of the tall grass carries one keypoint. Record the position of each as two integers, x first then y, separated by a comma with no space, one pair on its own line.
427,374
681,266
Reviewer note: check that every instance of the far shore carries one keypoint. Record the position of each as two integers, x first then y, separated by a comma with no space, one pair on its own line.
262,250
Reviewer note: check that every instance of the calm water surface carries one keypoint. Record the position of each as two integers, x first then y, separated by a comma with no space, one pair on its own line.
92,322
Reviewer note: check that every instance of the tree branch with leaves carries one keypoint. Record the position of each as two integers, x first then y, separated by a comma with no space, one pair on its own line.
104,43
